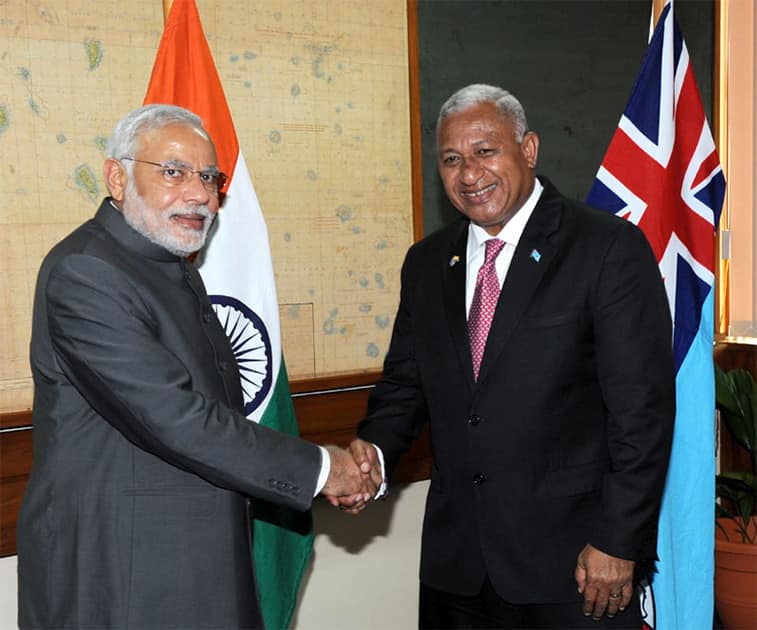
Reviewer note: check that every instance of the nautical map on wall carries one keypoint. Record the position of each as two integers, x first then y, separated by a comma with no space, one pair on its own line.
318,90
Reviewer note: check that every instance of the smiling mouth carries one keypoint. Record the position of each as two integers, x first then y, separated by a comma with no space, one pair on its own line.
190,221
479,193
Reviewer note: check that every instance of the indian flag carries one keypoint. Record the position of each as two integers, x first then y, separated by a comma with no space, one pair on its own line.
238,273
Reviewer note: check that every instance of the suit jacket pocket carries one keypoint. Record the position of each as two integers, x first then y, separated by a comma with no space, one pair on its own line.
175,502
553,319
566,482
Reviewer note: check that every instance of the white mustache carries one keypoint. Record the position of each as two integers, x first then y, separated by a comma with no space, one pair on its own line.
203,211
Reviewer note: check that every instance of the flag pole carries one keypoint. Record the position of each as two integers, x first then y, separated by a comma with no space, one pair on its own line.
722,277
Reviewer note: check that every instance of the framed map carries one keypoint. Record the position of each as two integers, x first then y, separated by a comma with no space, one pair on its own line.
319,93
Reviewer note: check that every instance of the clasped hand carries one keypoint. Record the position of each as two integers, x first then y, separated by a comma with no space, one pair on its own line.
355,476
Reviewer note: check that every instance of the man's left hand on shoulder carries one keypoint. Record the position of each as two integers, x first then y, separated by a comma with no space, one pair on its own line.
606,582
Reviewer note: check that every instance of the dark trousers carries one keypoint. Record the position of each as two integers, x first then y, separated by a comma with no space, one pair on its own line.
445,611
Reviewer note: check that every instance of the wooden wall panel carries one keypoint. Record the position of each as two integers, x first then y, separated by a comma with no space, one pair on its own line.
332,418
324,417
15,464
730,356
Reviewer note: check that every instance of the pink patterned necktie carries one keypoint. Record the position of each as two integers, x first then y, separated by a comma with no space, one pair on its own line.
484,302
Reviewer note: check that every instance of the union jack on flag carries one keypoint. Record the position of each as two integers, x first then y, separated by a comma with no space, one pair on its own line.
662,172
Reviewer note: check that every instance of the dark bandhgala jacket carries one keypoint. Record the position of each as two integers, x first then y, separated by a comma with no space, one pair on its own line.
136,514
565,438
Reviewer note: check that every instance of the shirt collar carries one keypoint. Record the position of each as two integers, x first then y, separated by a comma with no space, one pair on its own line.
513,229
111,217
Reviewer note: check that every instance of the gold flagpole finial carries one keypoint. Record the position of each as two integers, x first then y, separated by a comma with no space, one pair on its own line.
657,7
166,9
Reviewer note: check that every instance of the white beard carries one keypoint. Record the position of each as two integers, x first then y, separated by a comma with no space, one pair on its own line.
158,227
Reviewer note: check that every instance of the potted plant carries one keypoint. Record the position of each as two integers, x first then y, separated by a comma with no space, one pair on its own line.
736,532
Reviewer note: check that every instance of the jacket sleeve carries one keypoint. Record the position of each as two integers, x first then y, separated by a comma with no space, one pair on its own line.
397,407
633,338
106,344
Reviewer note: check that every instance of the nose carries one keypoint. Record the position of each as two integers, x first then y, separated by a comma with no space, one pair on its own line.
471,171
195,192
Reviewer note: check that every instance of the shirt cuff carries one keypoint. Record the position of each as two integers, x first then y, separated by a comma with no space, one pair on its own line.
384,487
323,476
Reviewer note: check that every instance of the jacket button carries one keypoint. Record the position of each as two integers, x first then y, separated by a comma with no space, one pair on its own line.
478,479
223,366
474,420
206,317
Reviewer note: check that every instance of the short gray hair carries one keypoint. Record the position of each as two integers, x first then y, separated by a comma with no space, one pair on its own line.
125,137
507,105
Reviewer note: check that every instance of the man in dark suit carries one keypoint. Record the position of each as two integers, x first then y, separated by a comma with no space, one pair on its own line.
551,402
137,514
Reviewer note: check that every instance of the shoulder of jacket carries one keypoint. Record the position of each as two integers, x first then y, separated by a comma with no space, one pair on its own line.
442,238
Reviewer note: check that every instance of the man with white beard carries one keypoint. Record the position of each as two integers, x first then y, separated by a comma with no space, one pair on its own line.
137,511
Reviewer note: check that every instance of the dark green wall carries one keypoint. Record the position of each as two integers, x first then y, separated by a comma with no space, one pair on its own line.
571,63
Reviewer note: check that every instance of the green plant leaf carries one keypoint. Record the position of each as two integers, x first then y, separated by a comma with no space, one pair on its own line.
736,397
737,490
739,477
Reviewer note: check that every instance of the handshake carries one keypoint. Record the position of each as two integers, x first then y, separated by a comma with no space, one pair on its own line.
355,476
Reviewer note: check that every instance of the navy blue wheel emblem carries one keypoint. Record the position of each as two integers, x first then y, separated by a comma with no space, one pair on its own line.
251,345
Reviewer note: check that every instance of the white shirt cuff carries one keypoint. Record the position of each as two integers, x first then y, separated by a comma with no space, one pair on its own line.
384,487
323,476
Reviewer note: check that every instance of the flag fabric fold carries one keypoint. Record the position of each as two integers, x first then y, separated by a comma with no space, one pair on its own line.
237,270
662,172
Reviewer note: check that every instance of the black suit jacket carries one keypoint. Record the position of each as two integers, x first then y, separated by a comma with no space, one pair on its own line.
564,440
135,514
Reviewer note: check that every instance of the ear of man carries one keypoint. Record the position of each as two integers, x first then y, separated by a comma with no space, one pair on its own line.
530,148
115,178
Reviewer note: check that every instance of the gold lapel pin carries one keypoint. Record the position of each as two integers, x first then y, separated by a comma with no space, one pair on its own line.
454,260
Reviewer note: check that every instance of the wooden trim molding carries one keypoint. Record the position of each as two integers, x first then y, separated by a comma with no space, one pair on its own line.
416,145
16,419
720,133
339,381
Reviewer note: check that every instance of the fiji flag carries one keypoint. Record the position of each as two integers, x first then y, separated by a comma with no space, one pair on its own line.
662,172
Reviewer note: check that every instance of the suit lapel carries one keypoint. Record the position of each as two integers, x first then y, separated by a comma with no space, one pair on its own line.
533,256
454,298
